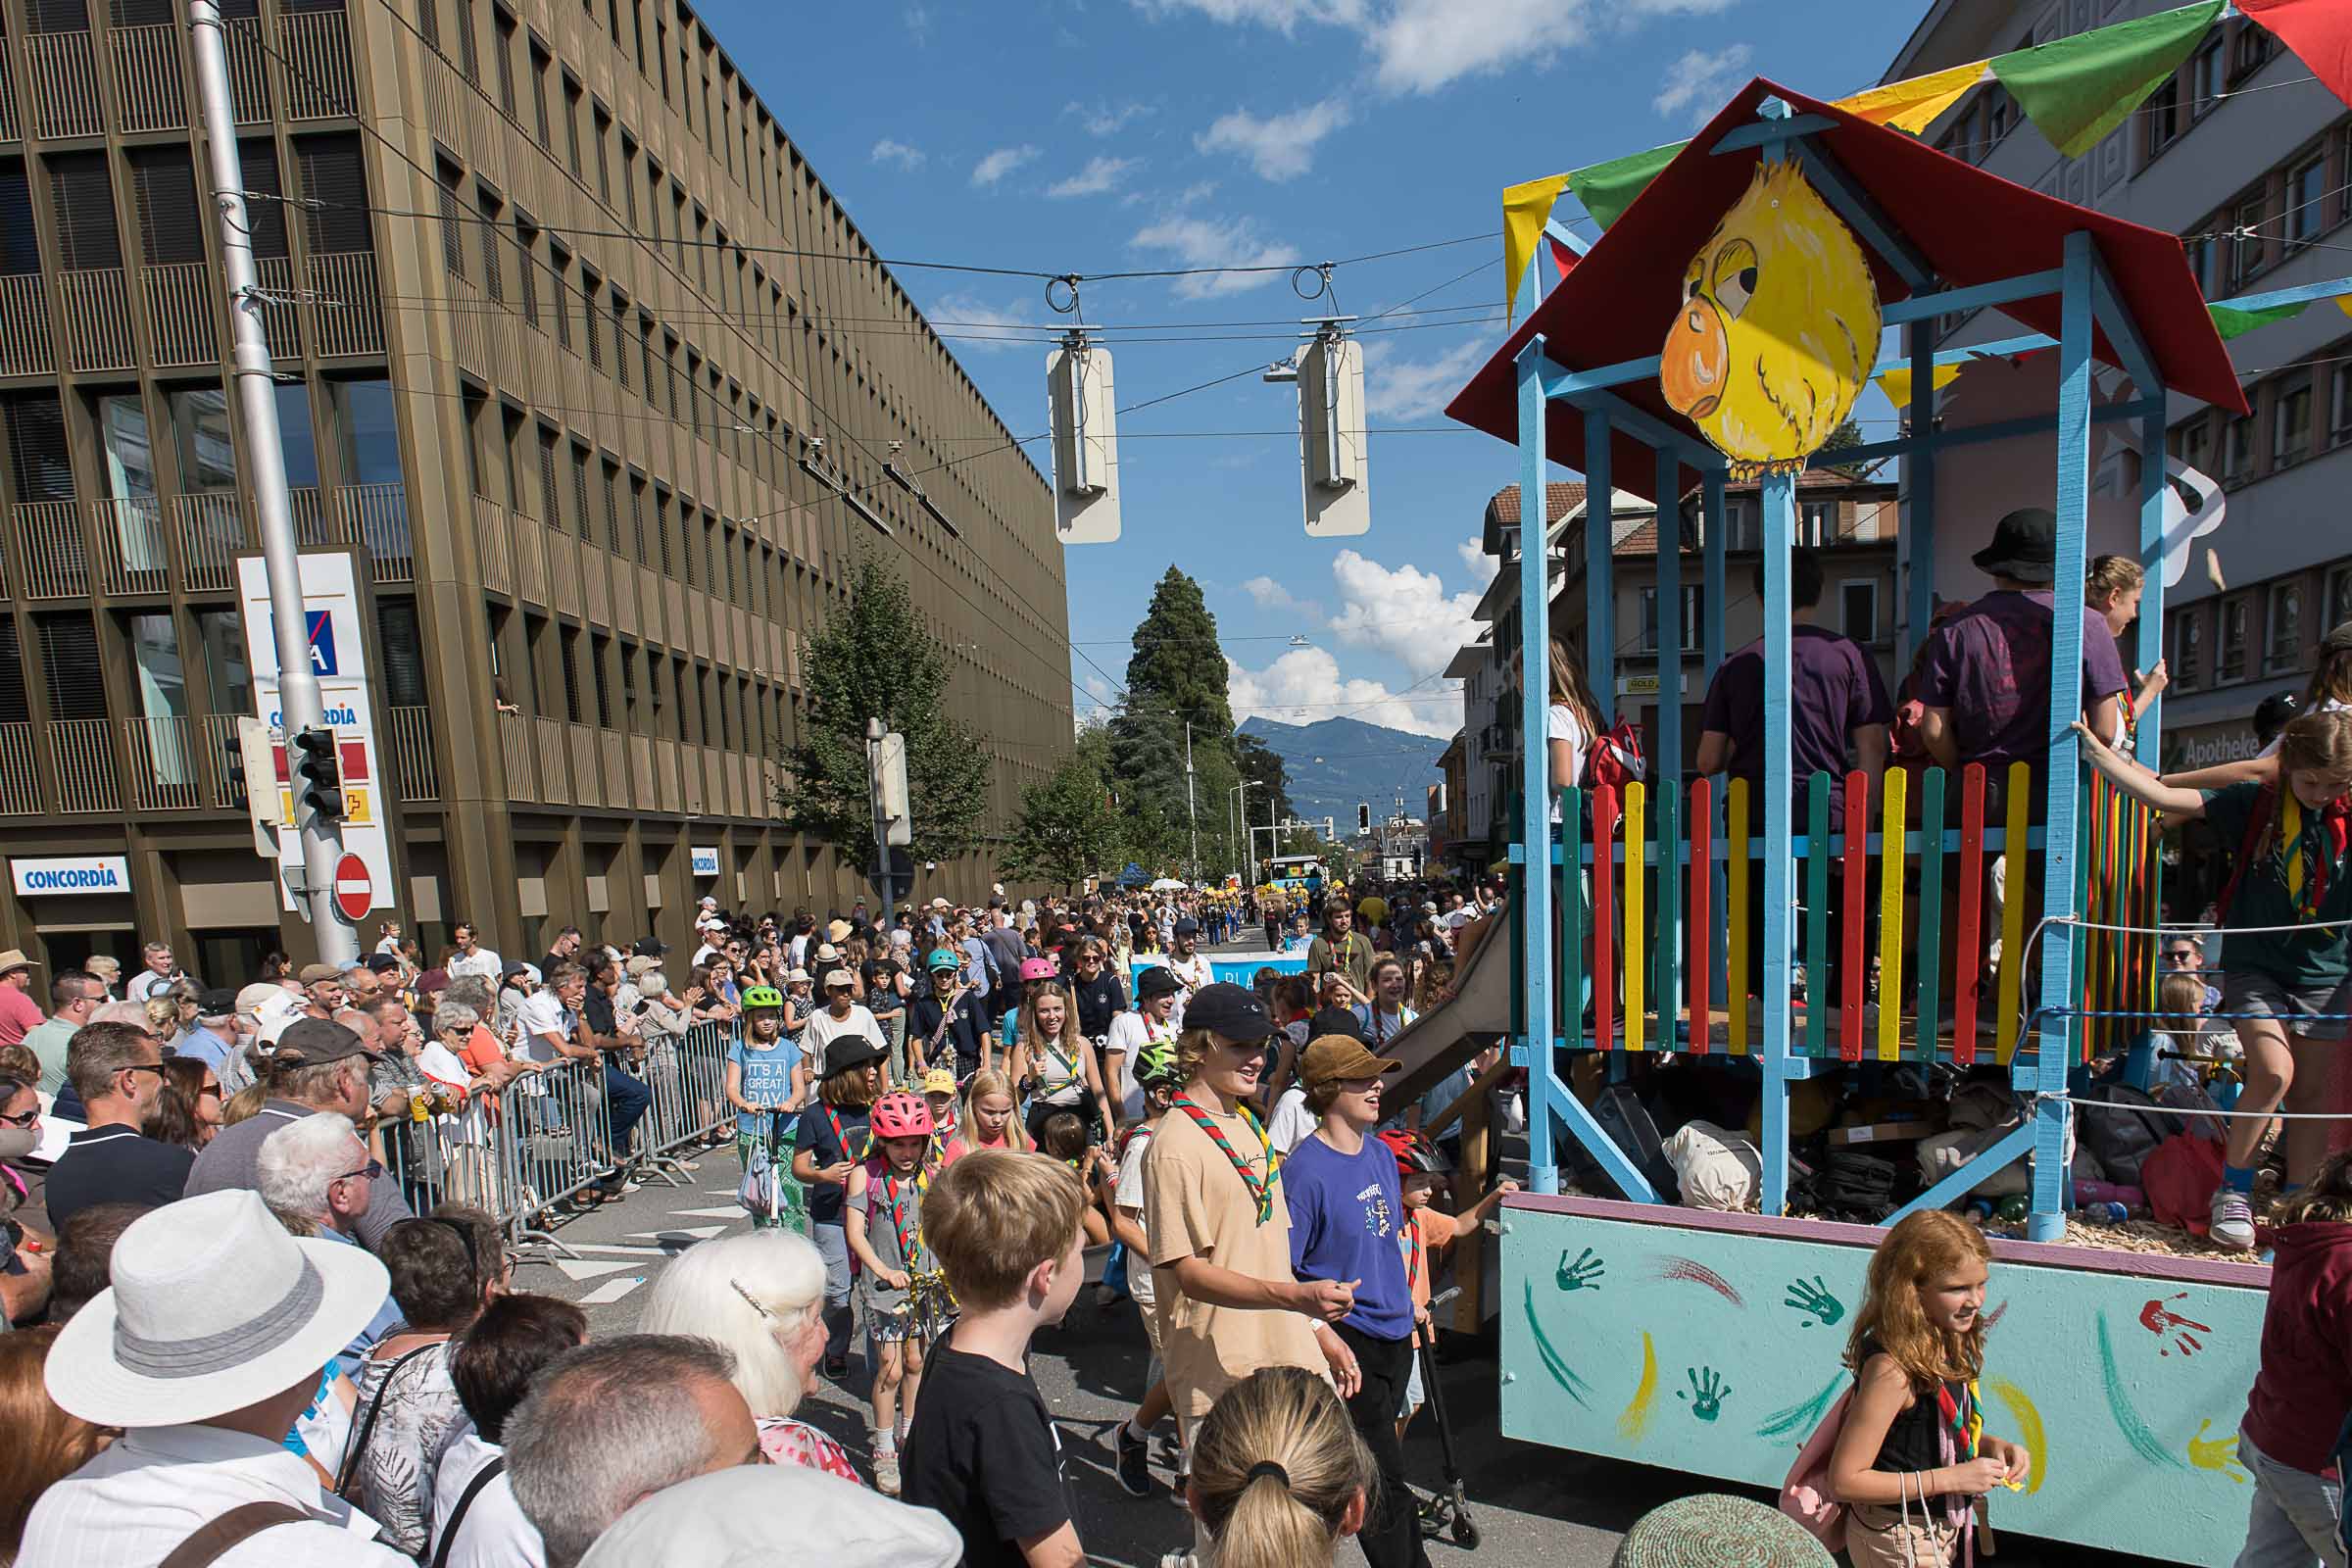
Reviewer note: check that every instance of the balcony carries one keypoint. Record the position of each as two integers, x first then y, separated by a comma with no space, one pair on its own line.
408,745
248,72
148,94
85,750
347,316
50,543
490,543
281,318
159,754
547,747
61,77
213,529
587,784
24,325
317,50
133,548
180,318
10,127
98,330
514,751
218,732
376,516
20,771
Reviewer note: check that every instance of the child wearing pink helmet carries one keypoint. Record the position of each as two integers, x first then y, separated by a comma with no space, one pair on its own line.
906,1299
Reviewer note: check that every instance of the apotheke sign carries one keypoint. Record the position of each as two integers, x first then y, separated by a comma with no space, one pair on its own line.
71,873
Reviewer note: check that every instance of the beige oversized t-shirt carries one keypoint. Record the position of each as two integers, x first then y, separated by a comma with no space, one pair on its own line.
1195,1206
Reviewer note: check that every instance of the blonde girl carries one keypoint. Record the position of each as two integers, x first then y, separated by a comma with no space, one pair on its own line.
1059,1062
1278,1473
990,1117
1913,1455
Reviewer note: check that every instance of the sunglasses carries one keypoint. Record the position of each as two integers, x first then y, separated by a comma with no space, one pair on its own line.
25,1120
371,1171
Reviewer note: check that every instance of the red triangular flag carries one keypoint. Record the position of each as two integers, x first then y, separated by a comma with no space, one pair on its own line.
1562,257
2319,32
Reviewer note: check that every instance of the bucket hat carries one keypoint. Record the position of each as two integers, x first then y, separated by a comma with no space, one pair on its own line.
213,1307
2025,546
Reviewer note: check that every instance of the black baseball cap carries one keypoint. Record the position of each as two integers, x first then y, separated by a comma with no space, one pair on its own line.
651,947
217,1003
1188,927
382,963
1228,1010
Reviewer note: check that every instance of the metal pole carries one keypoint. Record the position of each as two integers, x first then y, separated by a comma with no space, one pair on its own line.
875,729
299,703
1192,812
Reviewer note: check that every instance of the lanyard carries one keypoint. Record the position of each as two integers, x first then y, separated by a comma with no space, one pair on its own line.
1261,1191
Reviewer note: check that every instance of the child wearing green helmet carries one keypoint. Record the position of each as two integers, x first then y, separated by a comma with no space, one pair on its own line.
766,1085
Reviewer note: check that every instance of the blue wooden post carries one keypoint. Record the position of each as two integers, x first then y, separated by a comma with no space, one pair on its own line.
2151,561
1601,574
1667,942
1920,476
1534,756
2052,1110
1711,603
1780,529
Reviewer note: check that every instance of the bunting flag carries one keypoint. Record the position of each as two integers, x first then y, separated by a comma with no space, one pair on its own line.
1897,383
2233,322
1525,209
1913,105
2318,33
1563,257
1608,189
2076,90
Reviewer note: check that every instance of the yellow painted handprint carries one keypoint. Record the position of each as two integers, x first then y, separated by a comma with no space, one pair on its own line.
2216,1453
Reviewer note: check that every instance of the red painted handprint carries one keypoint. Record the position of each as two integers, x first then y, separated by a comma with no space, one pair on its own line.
2160,1321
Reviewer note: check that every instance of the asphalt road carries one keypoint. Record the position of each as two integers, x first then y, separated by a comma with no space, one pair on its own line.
1535,1507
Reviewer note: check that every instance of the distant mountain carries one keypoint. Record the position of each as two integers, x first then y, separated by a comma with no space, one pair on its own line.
1337,763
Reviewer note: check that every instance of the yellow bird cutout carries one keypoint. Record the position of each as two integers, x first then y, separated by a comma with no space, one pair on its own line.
1777,329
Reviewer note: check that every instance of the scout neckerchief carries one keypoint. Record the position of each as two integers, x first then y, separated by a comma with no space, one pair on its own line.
1064,1063
2309,850
1261,1191
910,1237
841,1140
1410,1235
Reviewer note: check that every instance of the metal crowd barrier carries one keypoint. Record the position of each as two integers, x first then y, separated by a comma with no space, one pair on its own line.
547,1136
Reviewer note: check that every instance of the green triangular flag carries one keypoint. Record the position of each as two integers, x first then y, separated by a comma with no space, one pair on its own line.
2230,322
1608,189
2078,89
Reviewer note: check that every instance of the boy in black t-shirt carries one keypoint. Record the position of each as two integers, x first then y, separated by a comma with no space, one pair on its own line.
1007,1229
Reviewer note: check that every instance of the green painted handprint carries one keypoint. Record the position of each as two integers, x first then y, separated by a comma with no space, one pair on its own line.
1708,1393
1813,1297
1583,1274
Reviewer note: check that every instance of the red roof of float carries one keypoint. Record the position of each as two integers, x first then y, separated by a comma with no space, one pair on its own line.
1970,226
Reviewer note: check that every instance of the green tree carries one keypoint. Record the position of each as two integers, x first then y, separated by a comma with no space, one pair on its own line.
1269,781
873,659
1066,830
1177,678
1848,435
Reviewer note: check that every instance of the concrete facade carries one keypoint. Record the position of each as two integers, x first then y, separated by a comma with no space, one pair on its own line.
583,363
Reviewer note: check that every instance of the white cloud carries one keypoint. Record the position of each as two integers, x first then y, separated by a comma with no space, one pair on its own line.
1702,81
970,321
918,25
1475,558
1411,389
1305,685
1419,46
1212,242
890,150
1403,613
1102,119
1272,595
1002,161
1100,174
1279,146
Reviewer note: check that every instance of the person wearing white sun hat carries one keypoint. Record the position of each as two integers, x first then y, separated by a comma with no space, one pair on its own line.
204,1351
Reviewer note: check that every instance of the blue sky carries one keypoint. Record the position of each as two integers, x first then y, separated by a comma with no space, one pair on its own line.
1101,135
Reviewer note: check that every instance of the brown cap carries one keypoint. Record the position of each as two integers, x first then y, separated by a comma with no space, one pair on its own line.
313,973
312,1040
1337,1056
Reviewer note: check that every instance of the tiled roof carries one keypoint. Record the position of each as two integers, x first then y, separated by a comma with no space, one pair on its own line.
1561,497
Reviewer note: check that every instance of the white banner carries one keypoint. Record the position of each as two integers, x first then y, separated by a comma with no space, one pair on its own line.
71,873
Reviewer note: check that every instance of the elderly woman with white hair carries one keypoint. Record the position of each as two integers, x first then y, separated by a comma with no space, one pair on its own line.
761,1296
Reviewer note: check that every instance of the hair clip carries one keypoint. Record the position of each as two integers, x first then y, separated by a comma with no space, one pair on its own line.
757,1304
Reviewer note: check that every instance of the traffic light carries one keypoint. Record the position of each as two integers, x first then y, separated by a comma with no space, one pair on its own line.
317,774
1363,817
234,769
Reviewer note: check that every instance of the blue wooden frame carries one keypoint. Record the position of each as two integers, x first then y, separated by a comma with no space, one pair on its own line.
2089,301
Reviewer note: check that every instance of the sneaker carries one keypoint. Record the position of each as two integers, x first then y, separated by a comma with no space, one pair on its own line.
1135,1462
886,1472
2232,1220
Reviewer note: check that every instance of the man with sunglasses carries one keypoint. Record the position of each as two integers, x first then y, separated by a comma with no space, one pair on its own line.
117,1069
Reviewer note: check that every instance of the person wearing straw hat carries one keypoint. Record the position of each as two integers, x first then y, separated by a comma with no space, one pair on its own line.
204,1351
19,1012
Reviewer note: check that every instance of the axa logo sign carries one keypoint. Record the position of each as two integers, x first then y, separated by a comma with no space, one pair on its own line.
319,632
71,873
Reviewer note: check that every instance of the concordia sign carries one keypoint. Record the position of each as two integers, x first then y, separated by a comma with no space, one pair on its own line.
71,873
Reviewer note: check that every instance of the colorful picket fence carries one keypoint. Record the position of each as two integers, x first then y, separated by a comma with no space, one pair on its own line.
1664,942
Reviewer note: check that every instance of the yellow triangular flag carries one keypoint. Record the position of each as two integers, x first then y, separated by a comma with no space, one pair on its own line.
1913,105
1525,208
2343,303
1897,383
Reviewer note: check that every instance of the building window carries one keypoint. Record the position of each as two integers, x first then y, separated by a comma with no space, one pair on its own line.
571,126
526,270
2306,200
2232,664
2187,668
1858,599
2237,449
1692,630
2199,252
2249,51
335,180
2290,424
208,453
221,633
2163,113
494,281
2205,80
503,43
2246,254
453,228
83,200
69,663
367,428
540,65
2282,636
1817,524
2197,444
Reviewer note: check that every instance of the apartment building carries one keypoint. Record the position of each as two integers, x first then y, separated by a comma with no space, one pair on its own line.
589,371
2249,160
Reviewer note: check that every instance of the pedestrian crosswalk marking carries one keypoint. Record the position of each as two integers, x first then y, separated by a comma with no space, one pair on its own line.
731,1211
619,1247
609,1292
588,1268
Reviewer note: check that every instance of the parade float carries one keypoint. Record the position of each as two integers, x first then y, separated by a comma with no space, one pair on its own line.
1718,331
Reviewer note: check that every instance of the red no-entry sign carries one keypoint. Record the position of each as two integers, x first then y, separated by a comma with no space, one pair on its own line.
354,890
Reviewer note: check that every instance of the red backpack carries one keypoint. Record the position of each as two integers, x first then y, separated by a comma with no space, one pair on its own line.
1615,759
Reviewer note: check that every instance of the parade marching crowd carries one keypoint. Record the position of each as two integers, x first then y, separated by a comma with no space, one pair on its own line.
235,1339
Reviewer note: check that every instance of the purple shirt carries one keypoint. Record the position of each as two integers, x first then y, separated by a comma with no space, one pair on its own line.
1990,667
1834,690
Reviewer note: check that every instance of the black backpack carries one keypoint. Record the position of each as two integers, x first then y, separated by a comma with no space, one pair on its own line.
2122,1138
